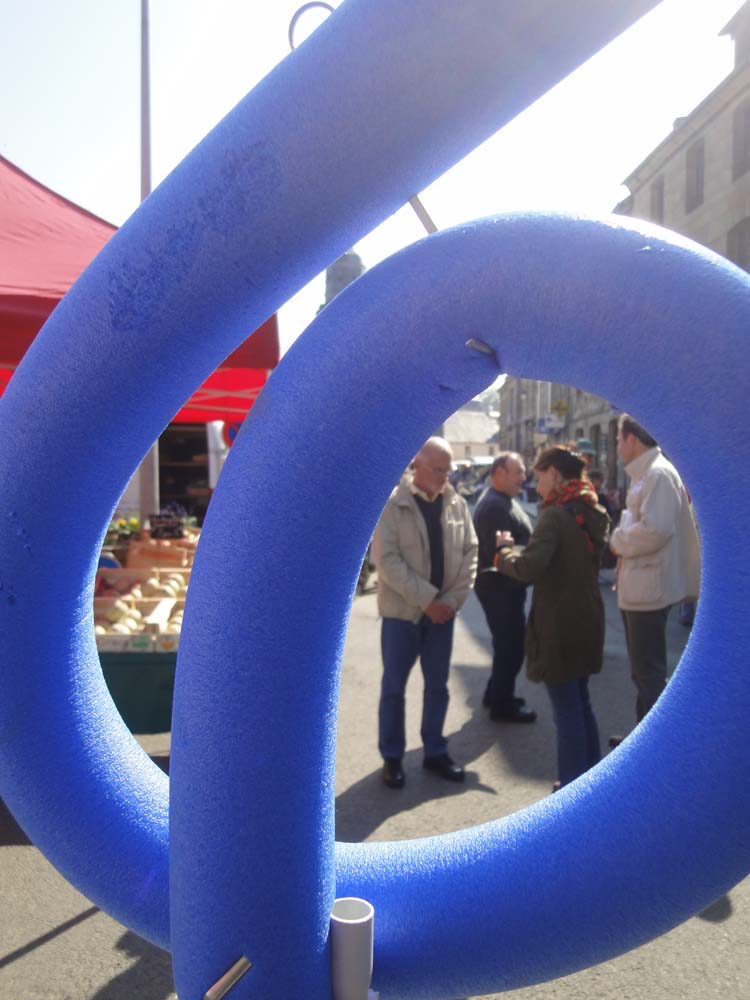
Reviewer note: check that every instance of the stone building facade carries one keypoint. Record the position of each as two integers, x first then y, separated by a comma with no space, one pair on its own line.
472,433
697,183
535,415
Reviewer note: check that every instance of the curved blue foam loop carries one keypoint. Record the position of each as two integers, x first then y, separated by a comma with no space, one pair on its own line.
244,222
649,837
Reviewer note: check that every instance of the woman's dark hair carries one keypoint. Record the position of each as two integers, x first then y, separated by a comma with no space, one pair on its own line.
570,464
627,425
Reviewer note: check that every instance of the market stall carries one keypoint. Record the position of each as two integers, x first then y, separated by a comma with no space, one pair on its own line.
46,242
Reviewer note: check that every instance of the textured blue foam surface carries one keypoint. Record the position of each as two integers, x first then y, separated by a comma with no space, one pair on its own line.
246,220
243,223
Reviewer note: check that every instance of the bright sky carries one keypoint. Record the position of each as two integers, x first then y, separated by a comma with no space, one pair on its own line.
69,76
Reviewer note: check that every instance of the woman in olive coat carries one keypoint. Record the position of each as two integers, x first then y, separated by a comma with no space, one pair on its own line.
565,630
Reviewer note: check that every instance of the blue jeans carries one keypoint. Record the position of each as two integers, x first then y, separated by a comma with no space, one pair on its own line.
577,731
401,643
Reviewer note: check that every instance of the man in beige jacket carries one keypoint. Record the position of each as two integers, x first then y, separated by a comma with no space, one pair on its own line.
425,551
659,557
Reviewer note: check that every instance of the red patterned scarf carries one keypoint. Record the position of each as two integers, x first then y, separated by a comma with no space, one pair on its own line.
574,489
571,489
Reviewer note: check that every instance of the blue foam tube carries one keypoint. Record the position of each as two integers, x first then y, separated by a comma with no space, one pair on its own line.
643,841
244,222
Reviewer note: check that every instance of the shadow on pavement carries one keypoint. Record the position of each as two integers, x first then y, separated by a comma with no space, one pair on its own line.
11,834
149,978
49,936
528,749
367,804
717,912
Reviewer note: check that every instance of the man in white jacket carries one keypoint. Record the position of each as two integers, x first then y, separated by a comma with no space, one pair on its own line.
659,557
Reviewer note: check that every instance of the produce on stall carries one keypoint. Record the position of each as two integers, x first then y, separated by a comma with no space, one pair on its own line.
138,610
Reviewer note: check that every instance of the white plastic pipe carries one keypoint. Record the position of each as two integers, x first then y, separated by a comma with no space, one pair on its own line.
352,926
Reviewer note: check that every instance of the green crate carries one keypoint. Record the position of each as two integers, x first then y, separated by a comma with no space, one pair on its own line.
142,686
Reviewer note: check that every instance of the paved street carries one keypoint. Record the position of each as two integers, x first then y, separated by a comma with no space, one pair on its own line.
55,946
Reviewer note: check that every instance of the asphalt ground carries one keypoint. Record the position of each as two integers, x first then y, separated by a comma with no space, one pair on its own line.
54,945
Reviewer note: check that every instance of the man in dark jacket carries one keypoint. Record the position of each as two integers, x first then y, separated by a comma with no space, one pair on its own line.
503,599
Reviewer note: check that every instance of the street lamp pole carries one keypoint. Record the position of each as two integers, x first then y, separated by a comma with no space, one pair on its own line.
145,106
148,475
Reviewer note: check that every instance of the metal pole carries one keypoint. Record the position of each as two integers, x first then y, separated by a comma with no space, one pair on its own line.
148,472
145,106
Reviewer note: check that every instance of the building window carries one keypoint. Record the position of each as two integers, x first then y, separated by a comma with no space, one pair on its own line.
695,160
657,200
741,140
738,244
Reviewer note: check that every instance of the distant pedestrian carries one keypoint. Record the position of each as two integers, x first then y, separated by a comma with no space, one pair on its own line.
659,557
565,632
608,559
503,599
597,481
425,551
585,448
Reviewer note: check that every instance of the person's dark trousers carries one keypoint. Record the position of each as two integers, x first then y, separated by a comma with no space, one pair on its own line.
504,610
401,643
577,732
646,638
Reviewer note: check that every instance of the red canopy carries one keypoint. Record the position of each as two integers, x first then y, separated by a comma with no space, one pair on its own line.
45,243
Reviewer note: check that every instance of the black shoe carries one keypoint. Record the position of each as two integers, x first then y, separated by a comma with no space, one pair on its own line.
393,774
615,741
517,714
556,787
487,699
445,767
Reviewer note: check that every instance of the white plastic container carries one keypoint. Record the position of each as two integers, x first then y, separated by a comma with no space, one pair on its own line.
352,932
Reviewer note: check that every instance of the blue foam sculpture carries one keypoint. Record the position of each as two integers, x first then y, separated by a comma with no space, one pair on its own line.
247,219
643,841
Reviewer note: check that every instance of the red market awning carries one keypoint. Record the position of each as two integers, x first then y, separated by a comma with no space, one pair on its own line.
45,243
232,389
229,393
